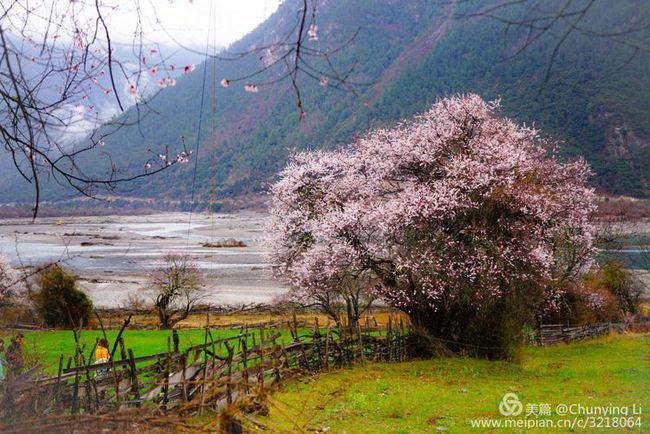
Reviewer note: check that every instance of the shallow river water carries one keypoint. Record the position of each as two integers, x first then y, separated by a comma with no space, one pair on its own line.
112,255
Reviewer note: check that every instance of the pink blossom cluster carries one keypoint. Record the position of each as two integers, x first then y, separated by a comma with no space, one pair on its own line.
313,32
594,300
552,303
458,203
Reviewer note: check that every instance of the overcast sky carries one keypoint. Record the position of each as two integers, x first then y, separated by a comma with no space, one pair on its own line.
189,21
170,22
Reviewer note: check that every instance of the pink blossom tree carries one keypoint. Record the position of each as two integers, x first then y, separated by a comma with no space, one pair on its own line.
457,211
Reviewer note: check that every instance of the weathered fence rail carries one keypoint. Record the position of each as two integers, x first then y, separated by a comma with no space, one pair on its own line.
549,334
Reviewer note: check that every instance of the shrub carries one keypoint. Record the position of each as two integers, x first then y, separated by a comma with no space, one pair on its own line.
592,303
605,295
59,302
494,329
136,302
617,280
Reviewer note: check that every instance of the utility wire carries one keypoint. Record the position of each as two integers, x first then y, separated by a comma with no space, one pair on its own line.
198,133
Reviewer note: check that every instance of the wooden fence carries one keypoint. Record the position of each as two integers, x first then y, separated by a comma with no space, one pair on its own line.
211,375
549,334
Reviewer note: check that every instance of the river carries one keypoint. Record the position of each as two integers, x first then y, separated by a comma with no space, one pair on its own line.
111,256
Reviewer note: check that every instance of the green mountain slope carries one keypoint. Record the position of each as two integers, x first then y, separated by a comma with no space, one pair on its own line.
596,98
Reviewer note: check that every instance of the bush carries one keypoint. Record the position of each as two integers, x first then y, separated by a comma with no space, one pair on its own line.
59,302
605,295
493,330
591,303
135,302
617,280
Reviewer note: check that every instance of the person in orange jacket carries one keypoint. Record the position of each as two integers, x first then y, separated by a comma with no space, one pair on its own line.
102,354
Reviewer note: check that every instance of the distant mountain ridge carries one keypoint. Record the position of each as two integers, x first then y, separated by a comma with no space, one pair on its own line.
407,54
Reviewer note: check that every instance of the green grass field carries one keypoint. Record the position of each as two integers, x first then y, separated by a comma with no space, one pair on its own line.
442,394
428,395
47,346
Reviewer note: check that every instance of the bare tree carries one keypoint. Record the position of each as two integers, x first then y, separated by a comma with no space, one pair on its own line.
177,286
56,60
343,300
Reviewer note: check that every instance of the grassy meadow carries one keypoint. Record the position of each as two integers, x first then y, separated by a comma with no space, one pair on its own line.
442,394
420,396
47,346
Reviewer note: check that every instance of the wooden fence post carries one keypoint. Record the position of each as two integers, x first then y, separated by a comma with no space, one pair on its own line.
260,370
58,379
276,360
229,370
327,345
166,374
361,345
135,387
91,384
183,377
402,343
214,352
389,340
205,368
244,353
123,354
75,393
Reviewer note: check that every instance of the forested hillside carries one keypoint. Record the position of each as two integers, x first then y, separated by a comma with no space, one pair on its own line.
591,92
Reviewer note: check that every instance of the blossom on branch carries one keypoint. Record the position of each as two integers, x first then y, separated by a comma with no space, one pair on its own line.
313,32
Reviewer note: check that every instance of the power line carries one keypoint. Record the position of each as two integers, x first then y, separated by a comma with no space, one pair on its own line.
198,133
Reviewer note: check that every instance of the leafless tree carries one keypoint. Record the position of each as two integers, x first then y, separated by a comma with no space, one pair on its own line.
177,286
58,58
344,300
